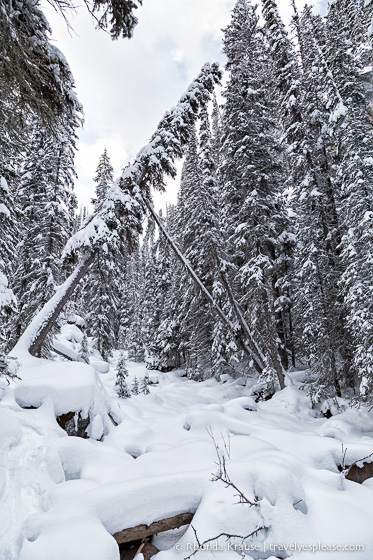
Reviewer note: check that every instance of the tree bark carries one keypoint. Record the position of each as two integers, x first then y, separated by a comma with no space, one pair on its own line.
254,353
38,329
142,531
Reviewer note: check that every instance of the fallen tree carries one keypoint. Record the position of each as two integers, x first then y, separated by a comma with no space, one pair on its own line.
122,212
142,531
121,217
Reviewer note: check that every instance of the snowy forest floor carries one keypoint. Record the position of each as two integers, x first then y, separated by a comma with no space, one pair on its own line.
62,497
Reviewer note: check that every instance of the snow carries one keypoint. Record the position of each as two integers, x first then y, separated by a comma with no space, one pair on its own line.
7,298
62,497
4,184
339,111
4,210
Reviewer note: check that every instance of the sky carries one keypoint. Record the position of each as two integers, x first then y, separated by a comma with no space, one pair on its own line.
126,86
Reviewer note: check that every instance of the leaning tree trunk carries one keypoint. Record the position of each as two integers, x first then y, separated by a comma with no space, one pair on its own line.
156,158
252,350
35,334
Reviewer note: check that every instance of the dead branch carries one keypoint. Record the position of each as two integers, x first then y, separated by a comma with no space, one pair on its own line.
227,535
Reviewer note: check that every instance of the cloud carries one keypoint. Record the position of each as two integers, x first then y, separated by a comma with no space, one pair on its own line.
127,85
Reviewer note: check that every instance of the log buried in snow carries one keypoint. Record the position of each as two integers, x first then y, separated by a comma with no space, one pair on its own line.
141,531
360,474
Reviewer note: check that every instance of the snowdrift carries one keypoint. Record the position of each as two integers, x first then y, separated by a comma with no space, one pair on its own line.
63,497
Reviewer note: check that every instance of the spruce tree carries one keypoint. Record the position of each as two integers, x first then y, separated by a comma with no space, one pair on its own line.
135,386
104,178
120,382
84,350
144,389
102,291
47,198
254,217
353,132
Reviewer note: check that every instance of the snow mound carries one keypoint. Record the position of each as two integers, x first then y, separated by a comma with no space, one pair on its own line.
66,387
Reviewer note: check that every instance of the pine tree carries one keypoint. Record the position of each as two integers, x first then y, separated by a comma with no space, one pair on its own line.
46,196
151,305
104,178
167,338
84,350
133,342
198,238
8,304
102,291
135,386
254,217
122,365
144,389
120,383
353,132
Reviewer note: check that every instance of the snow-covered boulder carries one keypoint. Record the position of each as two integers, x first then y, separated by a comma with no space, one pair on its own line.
72,389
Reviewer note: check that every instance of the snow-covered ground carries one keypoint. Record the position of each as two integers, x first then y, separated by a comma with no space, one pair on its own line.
62,497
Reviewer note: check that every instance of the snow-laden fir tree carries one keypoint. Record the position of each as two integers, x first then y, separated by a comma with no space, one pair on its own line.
84,349
102,290
197,224
254,217
8,225
47,199
120,383
122,365
104,178
353,133
151,307
135,386
144,388
134,292
320,329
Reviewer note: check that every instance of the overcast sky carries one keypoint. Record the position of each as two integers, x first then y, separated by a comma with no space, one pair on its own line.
125,86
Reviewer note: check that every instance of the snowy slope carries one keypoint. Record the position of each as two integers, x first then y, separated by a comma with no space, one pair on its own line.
62,497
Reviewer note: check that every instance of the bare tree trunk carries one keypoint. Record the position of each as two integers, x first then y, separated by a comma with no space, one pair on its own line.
253,353
37,331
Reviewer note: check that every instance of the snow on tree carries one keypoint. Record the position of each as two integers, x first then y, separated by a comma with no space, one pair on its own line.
134,292
84,350
353,132
122,365
121,213
144,388
104,178
253,215
120,382
135,386
8,304
47,199
101,292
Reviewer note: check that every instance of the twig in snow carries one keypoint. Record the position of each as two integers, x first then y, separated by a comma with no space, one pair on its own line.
227,535
346,470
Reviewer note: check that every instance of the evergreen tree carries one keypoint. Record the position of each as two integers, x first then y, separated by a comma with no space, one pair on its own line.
8,304
144,389
104,178
84,350
353,133
135,386
47,197
122,365
120,383
197,224
102,291
134,292
253,214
